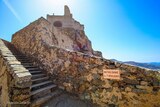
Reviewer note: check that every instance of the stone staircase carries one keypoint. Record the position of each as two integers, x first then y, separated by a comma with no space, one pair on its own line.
42,89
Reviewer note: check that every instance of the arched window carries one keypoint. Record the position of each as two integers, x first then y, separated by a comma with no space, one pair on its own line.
57,24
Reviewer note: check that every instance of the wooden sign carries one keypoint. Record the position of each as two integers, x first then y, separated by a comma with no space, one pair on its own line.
111,74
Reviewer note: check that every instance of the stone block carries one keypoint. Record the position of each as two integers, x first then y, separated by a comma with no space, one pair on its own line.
89,77
10,58
131,81
18,68
128,89
67,63
106,84
147,88
20,98
144,83
13,62
139,91
23,74
7,55
23,84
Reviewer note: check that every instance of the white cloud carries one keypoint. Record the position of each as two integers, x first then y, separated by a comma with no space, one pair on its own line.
12,10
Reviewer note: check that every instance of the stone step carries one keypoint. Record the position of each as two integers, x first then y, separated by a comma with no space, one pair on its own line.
36,72
40,79
25,62
31,64
23,59
43,89
28,66
40,84
33,69
15,52
38,76
45,98
19,55
40,73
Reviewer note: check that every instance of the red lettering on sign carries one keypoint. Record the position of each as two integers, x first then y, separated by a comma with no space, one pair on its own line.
111,74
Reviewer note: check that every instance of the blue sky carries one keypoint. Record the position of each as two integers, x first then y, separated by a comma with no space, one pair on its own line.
121,29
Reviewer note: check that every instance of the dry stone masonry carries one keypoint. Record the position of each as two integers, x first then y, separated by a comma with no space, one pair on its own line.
82,74
59,46
15,80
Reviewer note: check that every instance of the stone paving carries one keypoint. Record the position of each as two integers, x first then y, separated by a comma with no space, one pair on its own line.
67,100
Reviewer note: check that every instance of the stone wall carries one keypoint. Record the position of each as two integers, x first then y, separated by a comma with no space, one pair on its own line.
82,74
4,97
15,80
